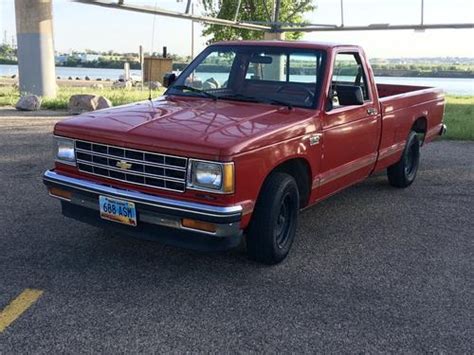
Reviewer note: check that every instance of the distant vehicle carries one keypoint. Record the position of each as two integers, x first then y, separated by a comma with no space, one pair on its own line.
279,127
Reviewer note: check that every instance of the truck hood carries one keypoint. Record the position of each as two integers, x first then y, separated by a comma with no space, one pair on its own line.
195,127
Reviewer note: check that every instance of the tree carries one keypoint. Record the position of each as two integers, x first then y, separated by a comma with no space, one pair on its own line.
7,51
291,11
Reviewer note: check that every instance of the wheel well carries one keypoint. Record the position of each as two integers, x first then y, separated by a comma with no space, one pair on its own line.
420,126
300,170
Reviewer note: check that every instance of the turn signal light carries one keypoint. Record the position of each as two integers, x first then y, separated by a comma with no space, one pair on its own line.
54,191
229,180
193,224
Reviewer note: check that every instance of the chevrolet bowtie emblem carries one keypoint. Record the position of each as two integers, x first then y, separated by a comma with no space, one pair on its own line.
123,165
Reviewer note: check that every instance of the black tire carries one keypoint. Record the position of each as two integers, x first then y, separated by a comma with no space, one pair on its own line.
403,173
273,225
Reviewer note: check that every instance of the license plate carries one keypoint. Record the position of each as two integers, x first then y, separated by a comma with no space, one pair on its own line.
118,210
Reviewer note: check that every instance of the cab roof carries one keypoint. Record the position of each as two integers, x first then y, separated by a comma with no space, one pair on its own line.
292,44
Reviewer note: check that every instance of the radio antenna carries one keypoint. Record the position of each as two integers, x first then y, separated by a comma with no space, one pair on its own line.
150,65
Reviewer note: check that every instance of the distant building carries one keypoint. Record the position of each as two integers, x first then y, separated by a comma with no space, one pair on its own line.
85,57
61,58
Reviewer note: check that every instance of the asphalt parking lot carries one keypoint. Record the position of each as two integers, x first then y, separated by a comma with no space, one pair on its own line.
373,269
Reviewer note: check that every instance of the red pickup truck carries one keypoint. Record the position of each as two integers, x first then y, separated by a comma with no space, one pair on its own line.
246,136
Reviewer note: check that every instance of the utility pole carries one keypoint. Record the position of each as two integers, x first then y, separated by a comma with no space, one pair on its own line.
141,58
275,33
34,29
422,12
276,15
237,10
342,13
192,32
276,71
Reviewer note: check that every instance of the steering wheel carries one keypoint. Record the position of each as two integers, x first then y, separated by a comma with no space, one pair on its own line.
309,93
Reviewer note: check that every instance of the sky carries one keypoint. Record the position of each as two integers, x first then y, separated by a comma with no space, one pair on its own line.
79,27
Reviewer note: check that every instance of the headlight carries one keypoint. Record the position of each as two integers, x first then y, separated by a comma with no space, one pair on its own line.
64,150
211,176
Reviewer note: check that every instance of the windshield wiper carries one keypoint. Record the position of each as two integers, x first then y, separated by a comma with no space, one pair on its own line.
266,100
190,88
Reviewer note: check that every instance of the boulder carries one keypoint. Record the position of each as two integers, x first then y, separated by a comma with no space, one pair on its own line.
210,83
154,85
122,85
103,102
28,103
87,102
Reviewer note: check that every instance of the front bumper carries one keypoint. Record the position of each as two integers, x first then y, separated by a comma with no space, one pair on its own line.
158,218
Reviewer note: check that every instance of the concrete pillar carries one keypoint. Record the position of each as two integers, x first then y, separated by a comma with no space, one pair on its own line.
269,36
34,29
276,71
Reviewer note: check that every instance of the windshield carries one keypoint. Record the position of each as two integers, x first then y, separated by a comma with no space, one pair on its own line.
274,75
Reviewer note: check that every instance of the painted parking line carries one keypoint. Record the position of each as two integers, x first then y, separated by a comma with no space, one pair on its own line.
18,306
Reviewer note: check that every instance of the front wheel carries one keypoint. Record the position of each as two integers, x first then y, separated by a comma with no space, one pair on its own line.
403,173
273,226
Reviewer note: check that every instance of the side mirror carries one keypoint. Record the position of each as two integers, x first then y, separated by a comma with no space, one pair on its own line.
169,79
349,95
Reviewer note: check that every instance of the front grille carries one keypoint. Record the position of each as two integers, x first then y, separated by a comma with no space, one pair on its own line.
133,166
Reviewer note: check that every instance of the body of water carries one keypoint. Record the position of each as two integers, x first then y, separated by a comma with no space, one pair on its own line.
452,86
66,72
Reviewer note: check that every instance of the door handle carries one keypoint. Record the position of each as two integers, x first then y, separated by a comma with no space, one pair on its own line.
372,111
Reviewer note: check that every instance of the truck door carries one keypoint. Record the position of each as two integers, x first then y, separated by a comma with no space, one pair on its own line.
350,132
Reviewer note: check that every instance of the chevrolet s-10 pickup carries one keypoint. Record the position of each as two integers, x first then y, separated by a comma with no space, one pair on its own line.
248,134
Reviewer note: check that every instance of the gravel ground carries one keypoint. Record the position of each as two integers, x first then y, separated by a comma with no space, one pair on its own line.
373,269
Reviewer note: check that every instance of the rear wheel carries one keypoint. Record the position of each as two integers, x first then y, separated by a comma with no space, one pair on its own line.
403,173
273,226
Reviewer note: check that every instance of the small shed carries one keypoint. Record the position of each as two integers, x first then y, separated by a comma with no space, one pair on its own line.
154,68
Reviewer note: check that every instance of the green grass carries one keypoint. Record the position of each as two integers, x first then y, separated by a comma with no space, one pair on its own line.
9,96
459,115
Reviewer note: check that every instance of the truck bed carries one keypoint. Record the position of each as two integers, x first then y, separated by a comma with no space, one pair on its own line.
386,90
401,106
413,101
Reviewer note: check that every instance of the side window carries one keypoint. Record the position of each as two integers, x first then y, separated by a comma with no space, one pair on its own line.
348,71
